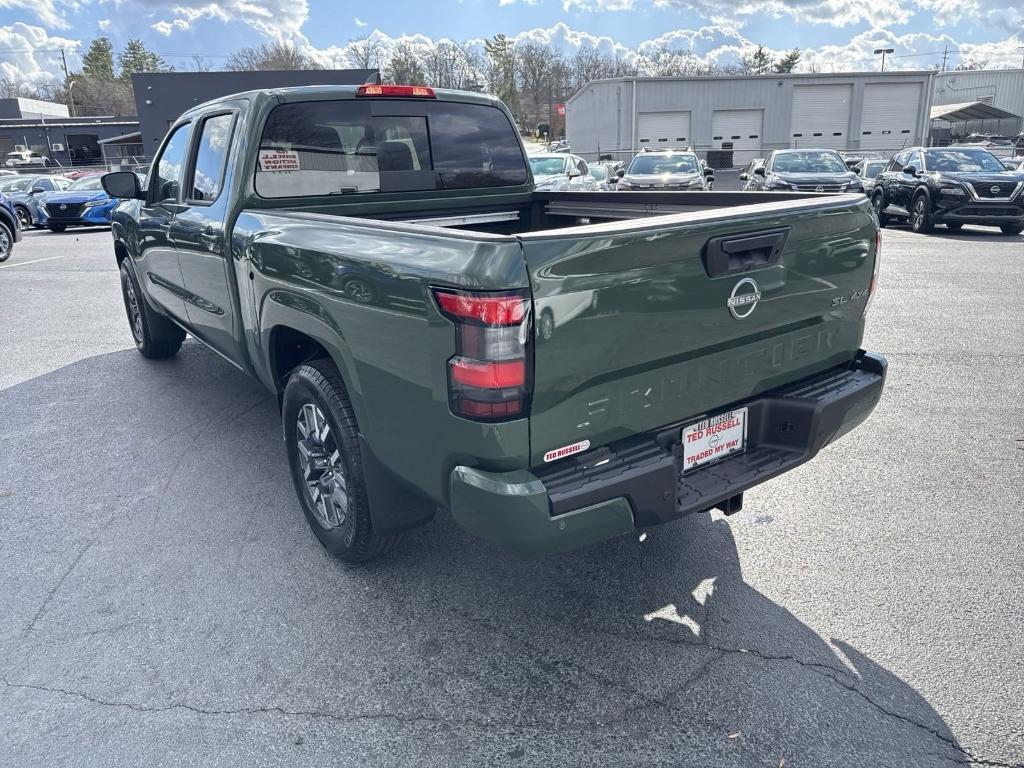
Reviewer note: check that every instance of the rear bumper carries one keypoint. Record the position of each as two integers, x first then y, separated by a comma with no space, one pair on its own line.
638,482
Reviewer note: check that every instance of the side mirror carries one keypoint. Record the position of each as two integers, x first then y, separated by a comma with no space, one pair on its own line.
122,184
709,171
621,172
759,171
910,170
613,179
575,173
37,190
744,177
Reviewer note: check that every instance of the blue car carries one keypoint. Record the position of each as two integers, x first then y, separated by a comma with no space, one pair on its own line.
83,204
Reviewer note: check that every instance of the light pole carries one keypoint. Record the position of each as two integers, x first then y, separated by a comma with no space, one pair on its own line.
883,51
71,97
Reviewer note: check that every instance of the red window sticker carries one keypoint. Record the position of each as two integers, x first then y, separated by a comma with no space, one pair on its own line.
568,450
279,160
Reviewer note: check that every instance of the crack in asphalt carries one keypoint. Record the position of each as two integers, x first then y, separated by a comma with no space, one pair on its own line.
56,587
311,714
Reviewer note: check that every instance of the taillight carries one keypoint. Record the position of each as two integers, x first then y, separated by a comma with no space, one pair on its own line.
874,273
415,91
489,376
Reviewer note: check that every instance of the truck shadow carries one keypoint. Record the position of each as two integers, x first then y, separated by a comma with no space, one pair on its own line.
172,475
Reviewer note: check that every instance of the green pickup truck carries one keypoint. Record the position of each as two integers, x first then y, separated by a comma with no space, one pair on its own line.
553,368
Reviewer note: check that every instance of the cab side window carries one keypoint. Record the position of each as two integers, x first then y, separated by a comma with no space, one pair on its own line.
211,157
169,166
917,160
45,184
582,165
898,162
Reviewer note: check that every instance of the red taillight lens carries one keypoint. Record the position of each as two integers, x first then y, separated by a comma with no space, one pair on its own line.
415,91
482,308
473,373
489,376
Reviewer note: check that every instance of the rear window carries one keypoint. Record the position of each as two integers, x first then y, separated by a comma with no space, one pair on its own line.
355,146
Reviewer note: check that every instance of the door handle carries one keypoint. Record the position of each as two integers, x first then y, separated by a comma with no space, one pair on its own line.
742,253
210,237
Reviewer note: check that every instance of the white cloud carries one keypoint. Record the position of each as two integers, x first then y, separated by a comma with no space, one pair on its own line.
46,11
36,57
103,24
359,22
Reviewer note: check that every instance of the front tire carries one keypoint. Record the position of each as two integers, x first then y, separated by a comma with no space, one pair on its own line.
878,203
23,216
155,336
921,215
322,440
1011,229
6,241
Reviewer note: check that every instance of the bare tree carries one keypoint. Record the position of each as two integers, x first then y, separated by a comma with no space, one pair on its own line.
590,64
449,65
404,66
365,53
269,56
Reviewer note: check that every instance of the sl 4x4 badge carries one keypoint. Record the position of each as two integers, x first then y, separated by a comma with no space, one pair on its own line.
838,301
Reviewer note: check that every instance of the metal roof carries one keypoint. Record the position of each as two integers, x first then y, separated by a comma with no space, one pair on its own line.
970,110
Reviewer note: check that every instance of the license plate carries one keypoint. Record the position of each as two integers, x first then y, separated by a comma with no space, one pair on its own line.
715,438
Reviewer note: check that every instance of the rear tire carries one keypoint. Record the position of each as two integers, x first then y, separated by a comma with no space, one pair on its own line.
955,226
6,241
322,441
56,227
155,336
878,203
921,215
1011,229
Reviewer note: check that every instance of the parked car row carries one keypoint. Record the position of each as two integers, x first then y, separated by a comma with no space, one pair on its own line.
57,202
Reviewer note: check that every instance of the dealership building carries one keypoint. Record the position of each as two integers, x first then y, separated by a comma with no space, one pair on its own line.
732,120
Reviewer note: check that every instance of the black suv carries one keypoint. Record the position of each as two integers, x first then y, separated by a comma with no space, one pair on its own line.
952,186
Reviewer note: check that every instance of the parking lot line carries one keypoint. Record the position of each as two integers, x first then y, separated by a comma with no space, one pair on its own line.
34,261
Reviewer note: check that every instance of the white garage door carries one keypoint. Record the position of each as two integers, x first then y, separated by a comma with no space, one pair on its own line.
821,116
739,130
889,119
663,129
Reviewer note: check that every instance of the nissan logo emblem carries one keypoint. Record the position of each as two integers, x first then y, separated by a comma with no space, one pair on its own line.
63,207
743,299
994,190
819,188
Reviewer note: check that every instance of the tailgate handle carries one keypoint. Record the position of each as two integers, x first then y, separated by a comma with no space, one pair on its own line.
743,253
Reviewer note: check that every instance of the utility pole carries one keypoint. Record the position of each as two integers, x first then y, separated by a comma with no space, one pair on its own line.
945,53
67,80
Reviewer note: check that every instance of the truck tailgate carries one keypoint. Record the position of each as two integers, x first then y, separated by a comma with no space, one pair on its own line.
646,323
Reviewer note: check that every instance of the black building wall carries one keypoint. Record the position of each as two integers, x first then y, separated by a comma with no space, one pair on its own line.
160,97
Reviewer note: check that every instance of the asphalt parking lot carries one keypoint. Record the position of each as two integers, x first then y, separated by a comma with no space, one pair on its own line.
165,604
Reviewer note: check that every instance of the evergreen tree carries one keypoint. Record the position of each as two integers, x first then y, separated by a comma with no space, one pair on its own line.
98,61
137,58
788,62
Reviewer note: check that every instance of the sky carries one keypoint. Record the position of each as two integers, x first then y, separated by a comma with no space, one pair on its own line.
836,35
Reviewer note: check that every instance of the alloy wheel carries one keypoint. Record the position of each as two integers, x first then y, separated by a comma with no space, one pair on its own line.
24,218
134,312
322,468
918,213
5,244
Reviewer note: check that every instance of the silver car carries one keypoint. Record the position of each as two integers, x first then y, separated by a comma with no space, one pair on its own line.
561,173
676,170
